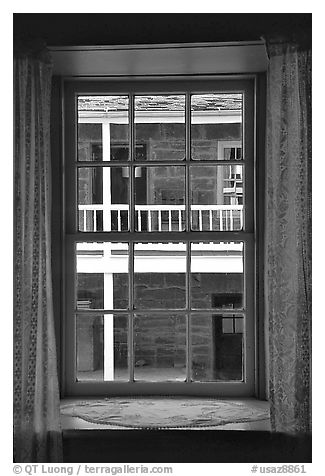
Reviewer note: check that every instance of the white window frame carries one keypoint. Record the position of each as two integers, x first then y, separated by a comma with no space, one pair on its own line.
73,88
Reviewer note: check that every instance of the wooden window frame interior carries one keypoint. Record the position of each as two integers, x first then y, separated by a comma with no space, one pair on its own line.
73,88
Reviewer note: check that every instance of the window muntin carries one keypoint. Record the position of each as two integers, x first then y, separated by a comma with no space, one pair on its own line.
179,224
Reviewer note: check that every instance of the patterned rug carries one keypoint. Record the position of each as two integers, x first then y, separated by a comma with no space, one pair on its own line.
164,412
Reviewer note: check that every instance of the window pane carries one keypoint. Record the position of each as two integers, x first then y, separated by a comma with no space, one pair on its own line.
102,347
160,198
217,197
102,275
160,347
159,275
216,347
216,122
103,131
160,127
217,275
103,198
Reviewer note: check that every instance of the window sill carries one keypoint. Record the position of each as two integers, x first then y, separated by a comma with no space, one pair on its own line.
85,414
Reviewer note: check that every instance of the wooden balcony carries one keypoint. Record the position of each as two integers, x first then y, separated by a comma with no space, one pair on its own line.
155,218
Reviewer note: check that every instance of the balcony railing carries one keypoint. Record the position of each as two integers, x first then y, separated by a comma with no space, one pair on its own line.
115,217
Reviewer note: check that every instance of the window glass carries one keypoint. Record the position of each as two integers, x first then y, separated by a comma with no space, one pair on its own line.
217,197
160,127
103,128
216,347
217,275
216,118
159,198
159,275
102,347
102,275
103,198
160,347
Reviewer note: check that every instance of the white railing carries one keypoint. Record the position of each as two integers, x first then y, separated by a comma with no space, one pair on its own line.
160,217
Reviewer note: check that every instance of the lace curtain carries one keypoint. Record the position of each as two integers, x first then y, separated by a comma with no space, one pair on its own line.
288,234
37,436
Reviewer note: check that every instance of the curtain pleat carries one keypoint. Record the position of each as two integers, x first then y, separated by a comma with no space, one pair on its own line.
37,434
288,235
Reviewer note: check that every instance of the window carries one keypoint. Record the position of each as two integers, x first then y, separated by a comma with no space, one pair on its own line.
159,237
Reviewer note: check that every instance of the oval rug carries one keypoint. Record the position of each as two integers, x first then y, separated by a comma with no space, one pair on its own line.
163,412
